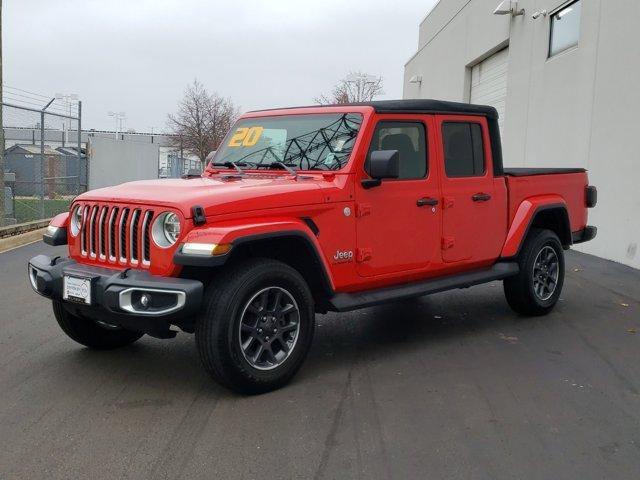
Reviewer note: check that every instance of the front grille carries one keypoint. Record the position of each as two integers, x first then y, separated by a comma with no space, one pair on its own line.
117,235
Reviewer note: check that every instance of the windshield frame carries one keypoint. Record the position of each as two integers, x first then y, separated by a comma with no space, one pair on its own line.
365,111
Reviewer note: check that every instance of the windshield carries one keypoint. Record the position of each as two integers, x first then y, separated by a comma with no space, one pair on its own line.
304,142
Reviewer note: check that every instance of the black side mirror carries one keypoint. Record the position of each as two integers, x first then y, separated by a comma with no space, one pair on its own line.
382,164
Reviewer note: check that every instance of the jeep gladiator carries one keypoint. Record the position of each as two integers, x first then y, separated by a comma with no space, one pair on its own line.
304,211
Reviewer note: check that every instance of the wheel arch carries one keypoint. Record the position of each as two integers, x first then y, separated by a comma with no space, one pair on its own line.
293,243
538,213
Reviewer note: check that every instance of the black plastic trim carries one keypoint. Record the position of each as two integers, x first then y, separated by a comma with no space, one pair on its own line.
591,196
344,302
180,258
544,208
106,286
58,238
312,226
529,172
587,233
197,213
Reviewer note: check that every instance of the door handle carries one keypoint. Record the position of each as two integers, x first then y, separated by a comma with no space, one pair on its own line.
481,197
427,201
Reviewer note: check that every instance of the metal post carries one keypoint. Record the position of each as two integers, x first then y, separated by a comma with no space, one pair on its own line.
80,150
41,176
42,172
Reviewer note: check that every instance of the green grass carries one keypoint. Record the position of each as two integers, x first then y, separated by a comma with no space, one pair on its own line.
28,208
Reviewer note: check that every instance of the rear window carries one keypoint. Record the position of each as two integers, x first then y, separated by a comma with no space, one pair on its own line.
463,149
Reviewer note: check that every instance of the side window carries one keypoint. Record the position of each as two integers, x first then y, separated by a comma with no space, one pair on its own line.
409,139
463,149
565,28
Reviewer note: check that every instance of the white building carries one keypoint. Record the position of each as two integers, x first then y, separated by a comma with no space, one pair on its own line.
564,78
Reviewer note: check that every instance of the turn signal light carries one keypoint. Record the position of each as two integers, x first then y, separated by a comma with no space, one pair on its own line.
205,249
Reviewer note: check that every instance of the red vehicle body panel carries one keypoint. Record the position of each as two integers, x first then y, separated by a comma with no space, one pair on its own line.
391,240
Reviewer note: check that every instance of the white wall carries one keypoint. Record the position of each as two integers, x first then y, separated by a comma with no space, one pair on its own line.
112,161
578,108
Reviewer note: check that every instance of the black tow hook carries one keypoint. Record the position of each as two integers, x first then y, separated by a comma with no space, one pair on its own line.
124,273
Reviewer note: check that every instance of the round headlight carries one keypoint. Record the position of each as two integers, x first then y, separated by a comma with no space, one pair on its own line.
166,229
76,220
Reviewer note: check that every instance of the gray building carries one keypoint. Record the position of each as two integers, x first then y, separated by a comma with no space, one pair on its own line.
563,76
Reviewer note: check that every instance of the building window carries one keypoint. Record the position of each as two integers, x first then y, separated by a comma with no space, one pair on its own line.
409,139
565,28
463,149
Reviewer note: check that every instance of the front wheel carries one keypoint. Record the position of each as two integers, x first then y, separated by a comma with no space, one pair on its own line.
256,327
536,289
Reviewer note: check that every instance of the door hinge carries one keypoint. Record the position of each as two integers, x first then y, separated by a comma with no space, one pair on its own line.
448,202
363,255
448,242
363,209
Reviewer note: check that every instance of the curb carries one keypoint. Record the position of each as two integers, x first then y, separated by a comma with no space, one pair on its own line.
17,229
15,241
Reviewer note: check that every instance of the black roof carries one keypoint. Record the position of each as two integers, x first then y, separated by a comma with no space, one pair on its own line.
421,106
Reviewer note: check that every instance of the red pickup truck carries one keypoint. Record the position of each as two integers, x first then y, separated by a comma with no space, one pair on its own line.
309,210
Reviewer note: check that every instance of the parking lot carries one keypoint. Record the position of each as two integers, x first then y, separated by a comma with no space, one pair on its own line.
450,386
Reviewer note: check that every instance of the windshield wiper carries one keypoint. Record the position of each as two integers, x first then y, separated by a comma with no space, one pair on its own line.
231,165
283,166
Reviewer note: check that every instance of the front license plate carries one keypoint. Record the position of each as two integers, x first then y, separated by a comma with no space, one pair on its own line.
77,289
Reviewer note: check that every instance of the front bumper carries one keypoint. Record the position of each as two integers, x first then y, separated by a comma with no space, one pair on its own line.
116,296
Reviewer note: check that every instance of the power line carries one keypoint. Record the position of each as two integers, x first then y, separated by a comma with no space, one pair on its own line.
4,85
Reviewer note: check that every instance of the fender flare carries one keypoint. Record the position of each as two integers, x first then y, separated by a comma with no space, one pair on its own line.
242,234
524,217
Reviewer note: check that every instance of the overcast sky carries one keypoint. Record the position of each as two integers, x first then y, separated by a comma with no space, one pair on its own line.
137,56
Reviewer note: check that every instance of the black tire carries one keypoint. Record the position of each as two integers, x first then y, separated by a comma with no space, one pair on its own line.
522,291
218,327
89,333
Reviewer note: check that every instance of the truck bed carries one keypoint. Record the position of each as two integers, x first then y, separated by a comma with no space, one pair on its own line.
567,184
526,172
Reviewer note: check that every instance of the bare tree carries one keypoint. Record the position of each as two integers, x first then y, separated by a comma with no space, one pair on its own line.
355,87
202,120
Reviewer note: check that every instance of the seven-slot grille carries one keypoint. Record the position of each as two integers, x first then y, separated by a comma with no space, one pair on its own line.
115,234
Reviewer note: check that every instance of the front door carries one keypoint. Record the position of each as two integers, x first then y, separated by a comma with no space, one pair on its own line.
399,222
473,212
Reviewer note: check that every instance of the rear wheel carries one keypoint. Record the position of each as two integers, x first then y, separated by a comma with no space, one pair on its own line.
99,336
537,287
257,325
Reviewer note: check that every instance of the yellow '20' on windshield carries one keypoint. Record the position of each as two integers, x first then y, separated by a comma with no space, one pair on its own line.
246,137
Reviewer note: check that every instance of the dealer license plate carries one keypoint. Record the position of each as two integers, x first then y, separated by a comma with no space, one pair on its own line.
77,289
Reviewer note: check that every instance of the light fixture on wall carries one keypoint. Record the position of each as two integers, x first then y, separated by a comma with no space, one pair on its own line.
539,13
416,79
508,7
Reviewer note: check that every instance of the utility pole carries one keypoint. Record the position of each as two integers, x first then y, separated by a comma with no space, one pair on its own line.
2,212
119,117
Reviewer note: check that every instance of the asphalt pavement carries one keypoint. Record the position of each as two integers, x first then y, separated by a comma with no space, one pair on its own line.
450,386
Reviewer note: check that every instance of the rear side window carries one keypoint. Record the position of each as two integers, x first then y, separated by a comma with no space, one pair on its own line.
409,139
463,149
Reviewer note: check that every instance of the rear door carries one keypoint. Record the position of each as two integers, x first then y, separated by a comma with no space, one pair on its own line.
473,210
399,223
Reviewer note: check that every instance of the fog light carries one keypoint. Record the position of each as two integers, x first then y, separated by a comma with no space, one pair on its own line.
145,300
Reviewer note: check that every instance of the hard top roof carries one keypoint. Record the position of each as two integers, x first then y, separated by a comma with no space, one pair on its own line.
415,105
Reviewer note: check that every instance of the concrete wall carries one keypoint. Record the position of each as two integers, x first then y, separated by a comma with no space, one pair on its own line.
112,162
578,108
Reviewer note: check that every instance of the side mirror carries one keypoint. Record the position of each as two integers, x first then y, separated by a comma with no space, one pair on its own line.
382,164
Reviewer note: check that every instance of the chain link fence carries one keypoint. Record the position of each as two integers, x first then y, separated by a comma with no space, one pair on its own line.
44,160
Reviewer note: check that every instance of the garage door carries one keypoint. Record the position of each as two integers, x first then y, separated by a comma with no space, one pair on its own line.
489,82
